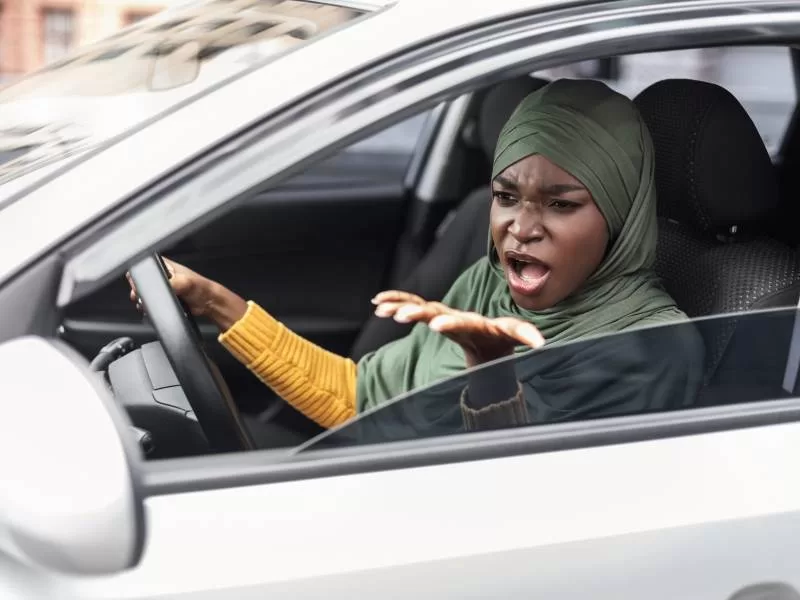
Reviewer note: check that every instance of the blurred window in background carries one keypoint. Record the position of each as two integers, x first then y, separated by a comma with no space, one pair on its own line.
59,33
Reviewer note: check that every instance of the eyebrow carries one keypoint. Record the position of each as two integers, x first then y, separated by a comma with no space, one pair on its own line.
507,183
555,189
562,188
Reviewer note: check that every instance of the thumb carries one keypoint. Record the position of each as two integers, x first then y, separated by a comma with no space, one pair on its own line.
181,284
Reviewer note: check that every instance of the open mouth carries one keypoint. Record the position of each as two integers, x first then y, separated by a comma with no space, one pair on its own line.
526,274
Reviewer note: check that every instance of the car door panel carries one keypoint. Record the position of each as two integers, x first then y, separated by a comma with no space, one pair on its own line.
694,517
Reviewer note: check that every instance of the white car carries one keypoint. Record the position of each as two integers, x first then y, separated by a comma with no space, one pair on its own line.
309,154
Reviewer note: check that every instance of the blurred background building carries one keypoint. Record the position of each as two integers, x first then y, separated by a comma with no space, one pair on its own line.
36,32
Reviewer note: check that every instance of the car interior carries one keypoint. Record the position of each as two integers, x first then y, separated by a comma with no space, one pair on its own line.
726,240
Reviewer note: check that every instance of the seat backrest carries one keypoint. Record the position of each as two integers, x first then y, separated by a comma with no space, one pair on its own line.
464,239
716,188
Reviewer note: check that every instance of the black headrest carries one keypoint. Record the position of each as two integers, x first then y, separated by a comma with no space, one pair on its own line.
712,169
497,106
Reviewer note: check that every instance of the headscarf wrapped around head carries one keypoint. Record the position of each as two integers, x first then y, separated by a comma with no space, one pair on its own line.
598,136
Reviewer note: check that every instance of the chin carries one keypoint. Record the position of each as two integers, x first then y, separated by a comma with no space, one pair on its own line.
534,303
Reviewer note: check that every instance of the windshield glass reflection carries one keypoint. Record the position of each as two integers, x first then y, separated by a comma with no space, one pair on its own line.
105,89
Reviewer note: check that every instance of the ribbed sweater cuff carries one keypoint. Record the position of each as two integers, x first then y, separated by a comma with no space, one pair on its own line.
251,334
508,413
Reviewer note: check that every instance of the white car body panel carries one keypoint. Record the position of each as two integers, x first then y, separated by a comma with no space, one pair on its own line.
606,523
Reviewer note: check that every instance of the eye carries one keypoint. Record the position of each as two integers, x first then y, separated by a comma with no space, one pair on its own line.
564,205
503,198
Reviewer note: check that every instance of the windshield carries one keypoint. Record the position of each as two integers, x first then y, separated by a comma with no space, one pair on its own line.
107,88
677,366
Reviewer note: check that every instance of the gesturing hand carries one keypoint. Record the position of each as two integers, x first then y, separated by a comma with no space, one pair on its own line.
483,339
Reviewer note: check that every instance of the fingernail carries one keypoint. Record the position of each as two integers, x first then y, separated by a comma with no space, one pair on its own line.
382,311
375,300
405,313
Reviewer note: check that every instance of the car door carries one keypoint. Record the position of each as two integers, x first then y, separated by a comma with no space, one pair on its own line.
333,227
695,503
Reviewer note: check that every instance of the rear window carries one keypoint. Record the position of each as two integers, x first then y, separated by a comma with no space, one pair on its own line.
109,87
761,77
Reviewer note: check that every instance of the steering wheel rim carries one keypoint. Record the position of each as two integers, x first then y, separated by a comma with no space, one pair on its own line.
202,383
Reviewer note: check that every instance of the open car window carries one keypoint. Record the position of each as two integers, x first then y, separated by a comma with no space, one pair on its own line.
685,365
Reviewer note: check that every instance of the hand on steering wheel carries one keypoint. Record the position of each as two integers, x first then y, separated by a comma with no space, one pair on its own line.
202,383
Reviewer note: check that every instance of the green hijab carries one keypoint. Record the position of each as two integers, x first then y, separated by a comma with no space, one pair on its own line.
598,136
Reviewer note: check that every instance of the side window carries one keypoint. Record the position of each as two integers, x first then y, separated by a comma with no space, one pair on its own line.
652,370
381,158
760,77
398,139
388,153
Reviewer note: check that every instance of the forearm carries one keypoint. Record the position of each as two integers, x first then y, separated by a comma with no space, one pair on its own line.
318,383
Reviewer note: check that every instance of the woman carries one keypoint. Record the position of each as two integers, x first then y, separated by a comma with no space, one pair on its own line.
571,250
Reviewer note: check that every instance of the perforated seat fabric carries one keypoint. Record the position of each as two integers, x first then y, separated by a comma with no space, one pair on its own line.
722,278
716,185
464,240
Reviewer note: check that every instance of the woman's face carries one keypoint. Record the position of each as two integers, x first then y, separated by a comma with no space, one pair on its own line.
547,230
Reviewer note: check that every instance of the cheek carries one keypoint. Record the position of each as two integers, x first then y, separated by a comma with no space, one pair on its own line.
586,240
596,243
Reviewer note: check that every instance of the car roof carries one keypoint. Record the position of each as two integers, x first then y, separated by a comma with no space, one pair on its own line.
59,200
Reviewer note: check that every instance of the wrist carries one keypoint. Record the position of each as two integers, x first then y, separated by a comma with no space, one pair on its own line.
473,359
224,307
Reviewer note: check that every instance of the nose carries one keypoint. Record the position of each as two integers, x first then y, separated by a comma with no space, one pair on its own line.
527,226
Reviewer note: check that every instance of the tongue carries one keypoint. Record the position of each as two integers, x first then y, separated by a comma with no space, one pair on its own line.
533,271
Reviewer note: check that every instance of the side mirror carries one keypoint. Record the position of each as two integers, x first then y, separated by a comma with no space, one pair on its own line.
71,498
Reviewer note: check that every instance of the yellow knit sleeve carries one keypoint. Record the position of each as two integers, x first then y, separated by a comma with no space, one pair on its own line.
318,383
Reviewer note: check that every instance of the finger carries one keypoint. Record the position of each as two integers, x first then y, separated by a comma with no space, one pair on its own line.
387,309
408,313
130,281
447,323
453,321
397,296
170,266
525,333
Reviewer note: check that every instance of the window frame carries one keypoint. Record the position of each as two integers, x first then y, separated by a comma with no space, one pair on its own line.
515,45
259,467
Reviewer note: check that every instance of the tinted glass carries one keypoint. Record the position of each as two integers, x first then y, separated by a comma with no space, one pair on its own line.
379,159
687,365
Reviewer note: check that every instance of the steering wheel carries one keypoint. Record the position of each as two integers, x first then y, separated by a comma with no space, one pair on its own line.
201,381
